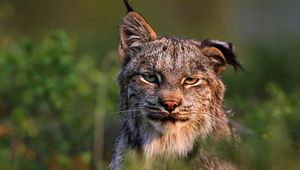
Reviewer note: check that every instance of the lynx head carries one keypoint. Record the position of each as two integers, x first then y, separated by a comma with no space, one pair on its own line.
171,83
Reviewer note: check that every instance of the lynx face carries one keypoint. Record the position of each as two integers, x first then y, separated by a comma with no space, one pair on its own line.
173,84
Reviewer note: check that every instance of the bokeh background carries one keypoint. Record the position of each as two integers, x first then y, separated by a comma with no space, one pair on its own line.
58,61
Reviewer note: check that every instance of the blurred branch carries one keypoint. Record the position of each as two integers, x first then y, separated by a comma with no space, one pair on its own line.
99,127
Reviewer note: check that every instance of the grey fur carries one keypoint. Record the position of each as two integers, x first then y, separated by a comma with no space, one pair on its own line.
146,125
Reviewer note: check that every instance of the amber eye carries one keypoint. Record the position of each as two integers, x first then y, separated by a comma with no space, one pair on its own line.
150,78
191,81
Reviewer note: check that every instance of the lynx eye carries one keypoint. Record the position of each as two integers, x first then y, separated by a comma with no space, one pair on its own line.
190,81
150,78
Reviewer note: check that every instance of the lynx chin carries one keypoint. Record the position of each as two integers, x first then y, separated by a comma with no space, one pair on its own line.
171,94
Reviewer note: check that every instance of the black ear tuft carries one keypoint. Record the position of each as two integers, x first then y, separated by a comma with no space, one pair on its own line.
227,51
128,7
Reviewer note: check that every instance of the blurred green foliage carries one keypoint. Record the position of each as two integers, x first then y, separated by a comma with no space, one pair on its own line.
58,95
40,87
273,139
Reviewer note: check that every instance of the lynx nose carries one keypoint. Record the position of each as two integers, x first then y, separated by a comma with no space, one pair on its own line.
170,105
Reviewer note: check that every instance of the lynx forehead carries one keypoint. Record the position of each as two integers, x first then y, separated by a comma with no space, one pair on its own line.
170,54
171,91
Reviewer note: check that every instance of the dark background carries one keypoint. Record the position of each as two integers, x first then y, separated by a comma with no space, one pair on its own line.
58,61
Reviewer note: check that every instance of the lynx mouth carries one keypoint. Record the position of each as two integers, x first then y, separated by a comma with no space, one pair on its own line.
168,118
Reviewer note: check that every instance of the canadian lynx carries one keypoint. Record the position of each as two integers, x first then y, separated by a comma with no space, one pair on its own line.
171,93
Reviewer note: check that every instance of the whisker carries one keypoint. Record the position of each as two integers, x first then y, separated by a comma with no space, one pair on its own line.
130,110
123,111
151,109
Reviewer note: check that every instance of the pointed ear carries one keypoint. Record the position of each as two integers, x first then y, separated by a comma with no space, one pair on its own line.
134,32
220,53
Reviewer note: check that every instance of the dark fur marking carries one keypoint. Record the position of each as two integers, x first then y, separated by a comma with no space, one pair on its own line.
164,48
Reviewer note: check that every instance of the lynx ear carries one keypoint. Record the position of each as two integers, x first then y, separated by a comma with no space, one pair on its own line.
221,53
134,32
